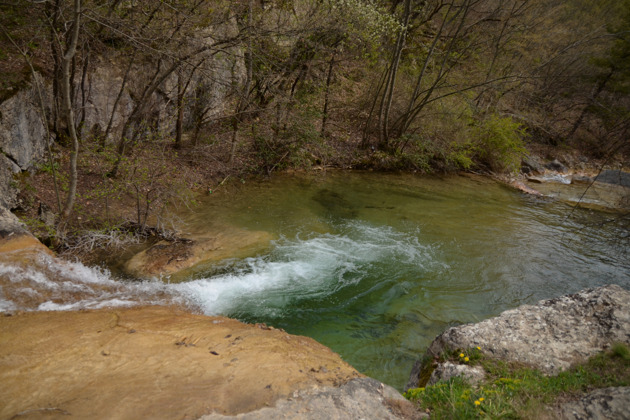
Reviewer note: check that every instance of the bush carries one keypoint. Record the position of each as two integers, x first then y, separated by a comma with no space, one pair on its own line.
499,143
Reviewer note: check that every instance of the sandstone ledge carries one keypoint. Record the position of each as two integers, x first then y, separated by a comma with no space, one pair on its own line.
153,362
184,257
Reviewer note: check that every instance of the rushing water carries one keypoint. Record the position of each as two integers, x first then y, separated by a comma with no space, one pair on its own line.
372,265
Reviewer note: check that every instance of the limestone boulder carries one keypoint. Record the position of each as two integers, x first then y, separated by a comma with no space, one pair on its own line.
601,404
445,371
550,336
363,398
8,192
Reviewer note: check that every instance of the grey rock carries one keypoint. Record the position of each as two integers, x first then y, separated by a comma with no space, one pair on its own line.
363,398
9,224
445,371
557,166
581,179
103,89
552,335
8,192
616,177
22,129
532,165
601,404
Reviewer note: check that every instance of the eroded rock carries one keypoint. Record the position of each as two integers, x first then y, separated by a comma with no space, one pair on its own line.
178,257
363,398
448,370
155,362
601,404
22,129
556,165
551,335
615,177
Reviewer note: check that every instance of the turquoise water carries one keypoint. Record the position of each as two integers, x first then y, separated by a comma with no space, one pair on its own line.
372,265
376,265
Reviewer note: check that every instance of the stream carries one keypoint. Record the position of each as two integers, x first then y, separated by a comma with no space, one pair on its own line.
372,265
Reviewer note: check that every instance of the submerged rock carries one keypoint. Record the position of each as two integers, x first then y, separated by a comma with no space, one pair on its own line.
581,190
550,336
179,257
160,363
615,177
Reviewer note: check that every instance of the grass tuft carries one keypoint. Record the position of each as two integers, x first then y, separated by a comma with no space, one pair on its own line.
515,391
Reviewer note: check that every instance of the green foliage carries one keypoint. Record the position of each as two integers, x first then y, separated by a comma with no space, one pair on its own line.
513,391
498,143
621,350
366,19
48,168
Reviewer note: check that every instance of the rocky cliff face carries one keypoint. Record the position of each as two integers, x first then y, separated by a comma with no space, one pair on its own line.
102,100
22,143
22,129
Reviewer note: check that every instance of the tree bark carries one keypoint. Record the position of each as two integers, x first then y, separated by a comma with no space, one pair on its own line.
66,63
388,94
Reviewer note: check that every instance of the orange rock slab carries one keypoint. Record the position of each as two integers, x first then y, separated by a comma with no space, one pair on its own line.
152,362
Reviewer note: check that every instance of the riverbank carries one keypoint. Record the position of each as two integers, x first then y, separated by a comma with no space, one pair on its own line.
547,360
117,213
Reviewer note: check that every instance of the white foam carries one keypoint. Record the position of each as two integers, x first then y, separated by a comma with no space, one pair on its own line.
314,267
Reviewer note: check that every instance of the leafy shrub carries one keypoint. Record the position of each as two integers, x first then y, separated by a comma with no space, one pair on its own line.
499,143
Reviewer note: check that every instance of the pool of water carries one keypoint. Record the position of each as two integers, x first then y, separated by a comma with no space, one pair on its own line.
372,265
376,265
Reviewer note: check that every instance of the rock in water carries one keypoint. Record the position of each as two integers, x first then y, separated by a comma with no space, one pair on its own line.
616,177
550,336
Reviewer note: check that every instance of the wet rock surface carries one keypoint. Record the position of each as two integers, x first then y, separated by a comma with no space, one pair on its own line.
601,404
550,336
179,257
615,177
157,362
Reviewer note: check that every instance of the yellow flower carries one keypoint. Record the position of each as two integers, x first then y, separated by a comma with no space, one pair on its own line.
461,354
478,348
477,402
466,359
481,399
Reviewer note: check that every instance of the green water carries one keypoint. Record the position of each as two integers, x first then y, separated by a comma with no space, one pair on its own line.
376,265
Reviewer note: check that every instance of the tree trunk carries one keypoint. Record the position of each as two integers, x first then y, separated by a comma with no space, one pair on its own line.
66,62
388,94
179,125
331,66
